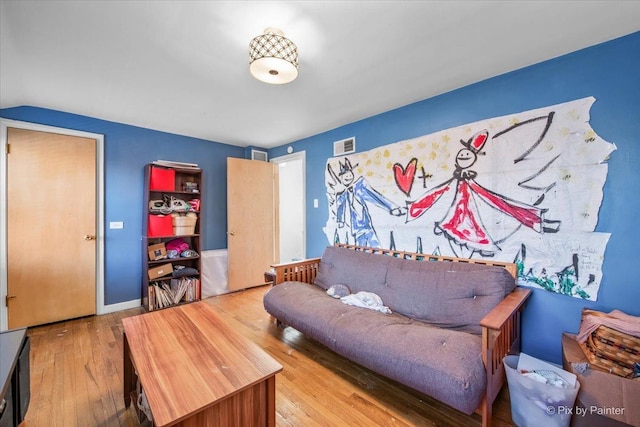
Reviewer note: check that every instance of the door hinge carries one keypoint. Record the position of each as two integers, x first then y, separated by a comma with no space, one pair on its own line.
7,298
8,149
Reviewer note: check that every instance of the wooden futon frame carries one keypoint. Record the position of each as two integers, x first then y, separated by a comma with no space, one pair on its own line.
500,328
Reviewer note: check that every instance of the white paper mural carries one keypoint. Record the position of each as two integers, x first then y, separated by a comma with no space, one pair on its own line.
525,187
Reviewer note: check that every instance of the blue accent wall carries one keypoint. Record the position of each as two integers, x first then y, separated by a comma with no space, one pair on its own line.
611,73
127,149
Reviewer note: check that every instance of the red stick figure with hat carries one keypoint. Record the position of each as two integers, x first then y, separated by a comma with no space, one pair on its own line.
462,223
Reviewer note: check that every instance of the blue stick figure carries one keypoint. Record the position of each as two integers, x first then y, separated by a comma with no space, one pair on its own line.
351,204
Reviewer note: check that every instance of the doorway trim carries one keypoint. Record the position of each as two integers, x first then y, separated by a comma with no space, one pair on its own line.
8,123
300,155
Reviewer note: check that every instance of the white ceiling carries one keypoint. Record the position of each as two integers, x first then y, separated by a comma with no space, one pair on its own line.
182,66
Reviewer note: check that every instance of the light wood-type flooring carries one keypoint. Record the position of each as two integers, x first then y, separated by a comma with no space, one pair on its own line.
76,377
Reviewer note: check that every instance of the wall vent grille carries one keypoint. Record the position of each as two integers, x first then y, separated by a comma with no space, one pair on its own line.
344,146
259,155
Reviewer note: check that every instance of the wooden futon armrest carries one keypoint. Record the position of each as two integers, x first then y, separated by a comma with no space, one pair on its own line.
298,271
505,309
500,336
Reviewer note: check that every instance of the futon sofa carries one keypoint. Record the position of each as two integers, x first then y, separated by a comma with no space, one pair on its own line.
452,320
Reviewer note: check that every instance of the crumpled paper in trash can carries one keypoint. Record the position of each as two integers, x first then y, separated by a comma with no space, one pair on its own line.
537,402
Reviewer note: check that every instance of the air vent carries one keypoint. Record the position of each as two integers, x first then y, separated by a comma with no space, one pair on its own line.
345,146
259,155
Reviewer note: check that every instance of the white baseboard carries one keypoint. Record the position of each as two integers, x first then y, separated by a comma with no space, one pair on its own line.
111,308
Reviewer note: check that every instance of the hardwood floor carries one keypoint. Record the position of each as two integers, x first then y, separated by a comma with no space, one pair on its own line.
76,377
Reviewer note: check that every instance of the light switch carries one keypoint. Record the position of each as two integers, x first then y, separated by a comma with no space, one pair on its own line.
116,225
315,203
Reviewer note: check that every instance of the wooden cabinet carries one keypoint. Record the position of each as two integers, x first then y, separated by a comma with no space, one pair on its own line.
14,377
172,228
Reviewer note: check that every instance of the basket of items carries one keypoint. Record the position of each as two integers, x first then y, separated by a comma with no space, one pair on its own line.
606,343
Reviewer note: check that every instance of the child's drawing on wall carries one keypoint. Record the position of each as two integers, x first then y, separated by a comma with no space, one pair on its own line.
532,179
350,199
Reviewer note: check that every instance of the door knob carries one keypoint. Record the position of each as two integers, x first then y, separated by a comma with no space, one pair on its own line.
232,233
89,237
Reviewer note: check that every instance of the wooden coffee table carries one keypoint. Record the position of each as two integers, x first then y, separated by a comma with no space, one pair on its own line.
196,370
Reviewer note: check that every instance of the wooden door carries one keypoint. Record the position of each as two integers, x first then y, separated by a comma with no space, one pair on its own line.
51,227
252,219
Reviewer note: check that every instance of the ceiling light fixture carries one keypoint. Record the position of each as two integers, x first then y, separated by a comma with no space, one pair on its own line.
273,58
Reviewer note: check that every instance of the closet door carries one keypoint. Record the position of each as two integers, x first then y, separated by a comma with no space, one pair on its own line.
51,227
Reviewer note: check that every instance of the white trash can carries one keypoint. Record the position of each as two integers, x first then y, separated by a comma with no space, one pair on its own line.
535,404
214,273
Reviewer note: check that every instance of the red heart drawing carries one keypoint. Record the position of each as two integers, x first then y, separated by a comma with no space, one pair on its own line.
404,176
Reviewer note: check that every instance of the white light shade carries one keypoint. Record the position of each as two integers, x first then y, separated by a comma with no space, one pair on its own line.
273,58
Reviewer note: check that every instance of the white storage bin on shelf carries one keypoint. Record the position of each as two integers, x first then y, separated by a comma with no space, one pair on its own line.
184,225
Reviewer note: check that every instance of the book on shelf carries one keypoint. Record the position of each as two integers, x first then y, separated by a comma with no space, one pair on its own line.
162,295
166,294
178,165
152,298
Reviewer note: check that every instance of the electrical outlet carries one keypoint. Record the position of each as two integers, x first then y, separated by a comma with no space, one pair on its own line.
116,225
